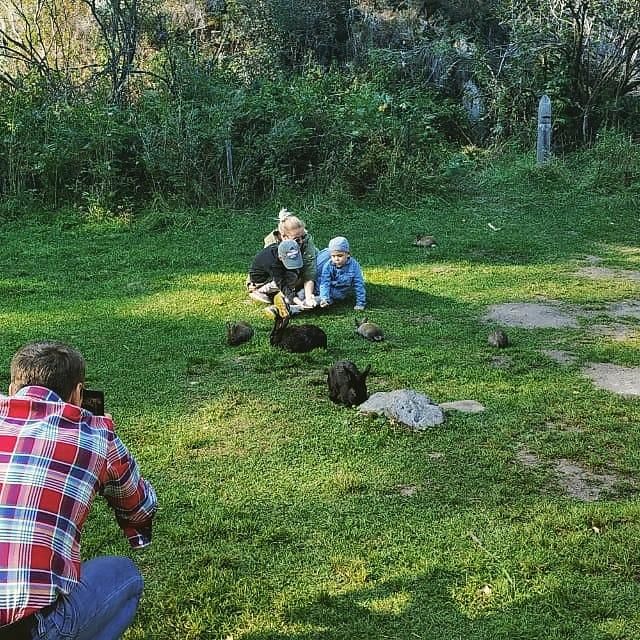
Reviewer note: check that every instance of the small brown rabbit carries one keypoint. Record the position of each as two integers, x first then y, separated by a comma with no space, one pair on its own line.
238,332
369,330
424,241
498,339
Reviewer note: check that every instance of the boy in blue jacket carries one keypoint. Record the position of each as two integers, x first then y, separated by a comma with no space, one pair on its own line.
341,275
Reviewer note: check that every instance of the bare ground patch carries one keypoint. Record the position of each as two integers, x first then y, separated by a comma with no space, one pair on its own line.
621,380
615,331
603,273
532,315
625,309
559,356
501,362
624,381
575,480
406,490
527,459
564,425
580,483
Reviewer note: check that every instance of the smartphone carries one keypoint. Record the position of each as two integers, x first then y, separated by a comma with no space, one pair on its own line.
93,400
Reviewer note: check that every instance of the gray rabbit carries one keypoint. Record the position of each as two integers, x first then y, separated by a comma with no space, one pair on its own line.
369,330
498,339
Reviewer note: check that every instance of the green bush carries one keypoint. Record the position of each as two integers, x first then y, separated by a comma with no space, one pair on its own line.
213,140
55,152
612,162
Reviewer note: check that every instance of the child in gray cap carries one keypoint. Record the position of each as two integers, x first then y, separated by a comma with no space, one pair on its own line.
341,275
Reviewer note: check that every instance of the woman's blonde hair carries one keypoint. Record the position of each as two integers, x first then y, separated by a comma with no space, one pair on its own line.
283,214
289,223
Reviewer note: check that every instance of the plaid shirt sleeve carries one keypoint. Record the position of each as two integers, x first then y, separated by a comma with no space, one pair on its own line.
130,496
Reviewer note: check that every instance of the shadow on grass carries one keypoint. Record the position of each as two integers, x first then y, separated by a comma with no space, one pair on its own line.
424,607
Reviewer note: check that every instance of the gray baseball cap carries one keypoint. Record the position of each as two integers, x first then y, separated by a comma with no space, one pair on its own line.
289,253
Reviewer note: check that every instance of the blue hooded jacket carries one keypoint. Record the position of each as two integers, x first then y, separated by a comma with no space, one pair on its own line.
336,284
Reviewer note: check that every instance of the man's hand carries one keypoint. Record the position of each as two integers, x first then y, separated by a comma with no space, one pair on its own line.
310,303
324,303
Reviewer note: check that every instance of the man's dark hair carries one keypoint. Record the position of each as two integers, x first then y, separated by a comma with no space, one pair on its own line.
49,364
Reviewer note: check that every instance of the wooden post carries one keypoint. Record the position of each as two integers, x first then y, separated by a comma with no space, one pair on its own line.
472,101
229,154
544,130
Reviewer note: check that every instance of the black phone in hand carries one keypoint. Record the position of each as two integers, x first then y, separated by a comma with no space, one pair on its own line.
93,400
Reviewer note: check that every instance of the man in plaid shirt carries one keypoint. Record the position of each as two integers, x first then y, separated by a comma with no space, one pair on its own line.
54,458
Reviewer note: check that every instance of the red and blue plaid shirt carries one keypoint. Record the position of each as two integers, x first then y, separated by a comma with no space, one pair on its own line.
54,458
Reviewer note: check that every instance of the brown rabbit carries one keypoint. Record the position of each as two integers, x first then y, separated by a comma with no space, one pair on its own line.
238,332
498,339
369,330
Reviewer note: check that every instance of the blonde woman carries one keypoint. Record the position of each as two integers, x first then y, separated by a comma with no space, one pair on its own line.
290,227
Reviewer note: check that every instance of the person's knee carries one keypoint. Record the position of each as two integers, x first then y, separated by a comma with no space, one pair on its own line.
131,574
115,570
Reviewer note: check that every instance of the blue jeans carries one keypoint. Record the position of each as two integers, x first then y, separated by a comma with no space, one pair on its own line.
100,607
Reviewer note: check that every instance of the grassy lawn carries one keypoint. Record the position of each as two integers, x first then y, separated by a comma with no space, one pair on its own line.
285,517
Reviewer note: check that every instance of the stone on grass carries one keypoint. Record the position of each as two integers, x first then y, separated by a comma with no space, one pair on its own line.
465,406
406,406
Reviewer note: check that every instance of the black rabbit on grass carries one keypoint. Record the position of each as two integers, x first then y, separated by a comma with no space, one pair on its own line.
297,339
347,385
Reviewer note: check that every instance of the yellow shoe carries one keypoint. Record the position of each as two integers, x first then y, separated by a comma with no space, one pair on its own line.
282,308
270,312
259,297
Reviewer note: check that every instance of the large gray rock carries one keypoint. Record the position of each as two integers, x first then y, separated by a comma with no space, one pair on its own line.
413,409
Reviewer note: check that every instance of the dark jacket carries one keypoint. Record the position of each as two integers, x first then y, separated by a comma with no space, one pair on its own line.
266,266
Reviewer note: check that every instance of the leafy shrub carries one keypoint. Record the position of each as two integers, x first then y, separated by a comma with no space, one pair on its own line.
214,140
612,162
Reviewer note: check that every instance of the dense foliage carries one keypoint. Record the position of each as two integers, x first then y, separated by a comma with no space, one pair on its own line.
105,104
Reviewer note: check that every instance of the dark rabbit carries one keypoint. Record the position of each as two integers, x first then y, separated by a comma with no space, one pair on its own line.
346,384
498,339
369,330
297,339
238,332
424,241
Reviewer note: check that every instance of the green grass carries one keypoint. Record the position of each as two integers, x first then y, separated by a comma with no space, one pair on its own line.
282,516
